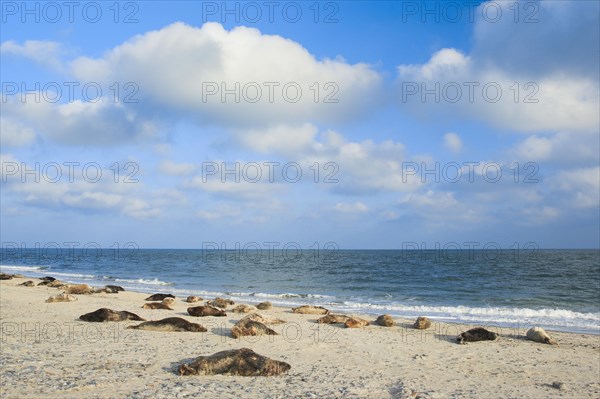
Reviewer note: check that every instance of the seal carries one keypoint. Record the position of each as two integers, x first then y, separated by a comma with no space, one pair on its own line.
79,289
113,289
385,320
156,305
201,311
243,362
170,324
159,297
169,301
264,305
192,299
61,298
262,319
476,334
422,323
243,309
221,303
27,284
248,327
538,334
104,314
355,322
57,284
333,319
4,276
307,309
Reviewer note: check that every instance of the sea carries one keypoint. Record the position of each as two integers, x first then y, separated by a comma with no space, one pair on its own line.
555,289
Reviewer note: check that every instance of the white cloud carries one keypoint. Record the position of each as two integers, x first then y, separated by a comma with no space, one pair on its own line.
15,134
357,207
101,123
581,186
176,169
190,61
43,52
453,142
463,88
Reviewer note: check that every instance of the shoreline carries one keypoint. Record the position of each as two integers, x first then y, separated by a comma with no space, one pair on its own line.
47,352
434,312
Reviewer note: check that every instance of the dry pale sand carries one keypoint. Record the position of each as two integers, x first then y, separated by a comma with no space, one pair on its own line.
48,353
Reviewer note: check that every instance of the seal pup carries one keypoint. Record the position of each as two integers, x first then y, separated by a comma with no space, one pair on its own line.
159,297
243,309
243,362
4,276
262,319
104,314
79,289
248,327
61,298
27,284
221,303
57,284
422,323
333,319
192,299
356,322
170,324
385,320
201,311
538,334
264,305
156,305
476,334
113,289
308,309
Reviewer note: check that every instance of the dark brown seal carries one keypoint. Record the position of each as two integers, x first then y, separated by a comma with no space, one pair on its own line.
476,334
243,362
104,314
170,324
201,311
159,297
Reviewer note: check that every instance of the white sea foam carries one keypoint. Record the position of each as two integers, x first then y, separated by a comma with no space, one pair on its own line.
22,268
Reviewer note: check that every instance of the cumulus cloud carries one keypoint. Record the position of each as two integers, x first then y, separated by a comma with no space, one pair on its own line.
15,134
46,53
101,123
453,142
269,79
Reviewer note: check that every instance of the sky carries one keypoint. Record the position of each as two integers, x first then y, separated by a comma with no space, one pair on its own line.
332,124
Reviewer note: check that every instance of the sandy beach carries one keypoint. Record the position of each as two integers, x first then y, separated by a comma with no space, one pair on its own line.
47,352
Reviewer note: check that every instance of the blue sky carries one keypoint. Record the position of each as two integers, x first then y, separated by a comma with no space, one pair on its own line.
497,100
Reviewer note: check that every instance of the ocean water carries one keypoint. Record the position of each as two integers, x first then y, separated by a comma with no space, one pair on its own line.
555,289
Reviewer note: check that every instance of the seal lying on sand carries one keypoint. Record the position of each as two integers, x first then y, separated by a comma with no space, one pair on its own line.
159,297
111,289
355,322
169,324
262,319
333,319
307,309
4,276
264,306
422,323
243,309
192,299
476,334
156,305
538,334
221,303
61,298
104,314
79,289
243,362
27,284
248,327
201,311
385,320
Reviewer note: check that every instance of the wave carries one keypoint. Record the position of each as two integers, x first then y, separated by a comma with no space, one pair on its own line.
23,268
141,281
